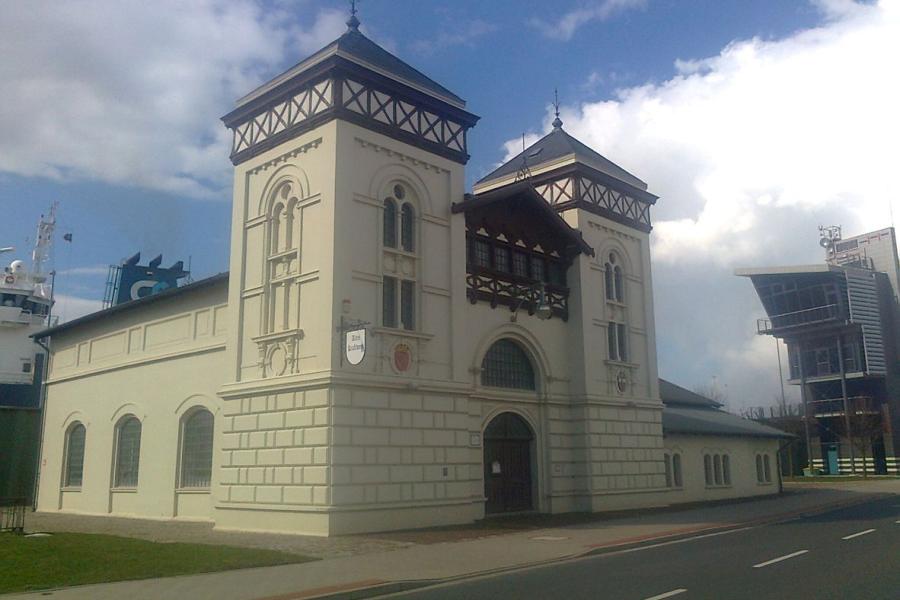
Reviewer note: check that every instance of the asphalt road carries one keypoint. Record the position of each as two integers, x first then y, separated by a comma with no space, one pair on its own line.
851,553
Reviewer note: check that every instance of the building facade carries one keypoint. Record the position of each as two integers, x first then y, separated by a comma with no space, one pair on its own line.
509,358
839,321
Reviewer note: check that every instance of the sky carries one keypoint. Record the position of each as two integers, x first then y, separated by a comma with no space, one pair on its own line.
754,122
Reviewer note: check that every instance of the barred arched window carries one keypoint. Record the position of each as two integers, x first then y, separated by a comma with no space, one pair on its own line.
506,365
128,453
197,449
390,223
407,227
74,470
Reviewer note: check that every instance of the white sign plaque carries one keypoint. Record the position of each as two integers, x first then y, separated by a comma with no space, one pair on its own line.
356,346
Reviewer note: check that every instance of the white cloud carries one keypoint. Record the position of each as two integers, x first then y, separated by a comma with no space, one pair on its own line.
456,34
129,92
565,26
67,308
749,151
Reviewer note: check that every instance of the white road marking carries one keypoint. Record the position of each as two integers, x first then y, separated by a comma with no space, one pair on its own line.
779,559
853,535
667,594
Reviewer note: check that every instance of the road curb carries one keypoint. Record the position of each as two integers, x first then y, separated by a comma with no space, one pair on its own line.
361,590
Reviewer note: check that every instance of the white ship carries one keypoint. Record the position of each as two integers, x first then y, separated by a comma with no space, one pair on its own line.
26,297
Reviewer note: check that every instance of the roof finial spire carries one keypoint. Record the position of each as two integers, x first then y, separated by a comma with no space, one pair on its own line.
557,122
353,21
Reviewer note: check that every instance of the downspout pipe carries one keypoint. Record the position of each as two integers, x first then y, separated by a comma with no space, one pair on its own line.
42,401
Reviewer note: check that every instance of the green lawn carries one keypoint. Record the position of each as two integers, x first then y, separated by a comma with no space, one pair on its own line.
65,559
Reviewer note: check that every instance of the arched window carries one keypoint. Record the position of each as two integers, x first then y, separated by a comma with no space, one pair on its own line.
676,469
726,469
74,469
608,279
128,453
390,223
767,469
506,365
759,469
197,449
614,278
407,218
278,226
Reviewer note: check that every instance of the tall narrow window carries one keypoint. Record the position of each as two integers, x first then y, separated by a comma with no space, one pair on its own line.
390,223
277,228
520,265
74,470
482,254
197,450
726,469
501,259
407,218
767,469
759,469
506,365
619,283
676,470
622,339
612,341
717,468
128,452
407,304
608,281
389,302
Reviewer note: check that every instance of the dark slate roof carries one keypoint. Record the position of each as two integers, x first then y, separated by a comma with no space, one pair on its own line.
140,303
672,394
356,47
709,421
558,144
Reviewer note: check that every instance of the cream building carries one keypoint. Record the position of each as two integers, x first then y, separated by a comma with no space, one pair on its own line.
510,357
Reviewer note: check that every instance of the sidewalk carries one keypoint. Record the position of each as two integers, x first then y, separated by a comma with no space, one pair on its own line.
435,561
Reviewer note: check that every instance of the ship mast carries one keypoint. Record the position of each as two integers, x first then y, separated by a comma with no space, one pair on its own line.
41,253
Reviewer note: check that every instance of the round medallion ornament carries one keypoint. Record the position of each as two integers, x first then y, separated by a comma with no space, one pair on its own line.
402,357
277,360
622,381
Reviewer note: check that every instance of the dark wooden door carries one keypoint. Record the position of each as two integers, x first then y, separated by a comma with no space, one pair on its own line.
507,465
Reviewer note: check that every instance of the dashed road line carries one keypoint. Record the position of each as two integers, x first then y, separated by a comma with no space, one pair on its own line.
667,594
779,559
857,534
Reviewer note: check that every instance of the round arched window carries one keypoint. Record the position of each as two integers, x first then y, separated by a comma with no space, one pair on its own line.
506,365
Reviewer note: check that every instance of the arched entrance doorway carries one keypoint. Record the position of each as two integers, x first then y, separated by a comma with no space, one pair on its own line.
508,444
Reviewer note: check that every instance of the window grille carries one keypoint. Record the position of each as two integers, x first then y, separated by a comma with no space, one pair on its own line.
482,254
520,264
506,365
128,451
389,302
390,223
407,305
501,259
197,450
407,218
537,268
75,456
